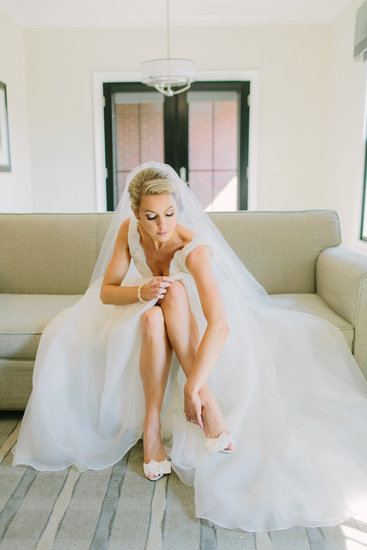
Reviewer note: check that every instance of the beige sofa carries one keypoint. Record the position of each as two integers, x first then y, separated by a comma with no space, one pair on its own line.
47,261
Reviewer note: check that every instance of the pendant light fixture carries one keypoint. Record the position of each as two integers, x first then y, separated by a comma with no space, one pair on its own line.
168,75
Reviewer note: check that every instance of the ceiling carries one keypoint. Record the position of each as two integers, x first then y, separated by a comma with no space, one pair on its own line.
144,13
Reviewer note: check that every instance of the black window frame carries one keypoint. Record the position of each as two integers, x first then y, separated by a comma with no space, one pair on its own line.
176,143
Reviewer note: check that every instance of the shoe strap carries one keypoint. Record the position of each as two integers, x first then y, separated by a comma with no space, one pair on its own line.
157,468
218,443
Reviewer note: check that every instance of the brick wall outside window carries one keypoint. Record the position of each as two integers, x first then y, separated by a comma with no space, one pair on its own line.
139,135
212,147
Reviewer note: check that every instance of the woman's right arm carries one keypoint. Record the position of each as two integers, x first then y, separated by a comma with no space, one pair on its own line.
111,291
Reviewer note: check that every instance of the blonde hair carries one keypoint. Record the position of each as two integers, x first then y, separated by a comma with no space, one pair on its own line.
150,181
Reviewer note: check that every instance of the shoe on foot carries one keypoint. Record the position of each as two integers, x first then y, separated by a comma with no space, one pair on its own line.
155,470
220,444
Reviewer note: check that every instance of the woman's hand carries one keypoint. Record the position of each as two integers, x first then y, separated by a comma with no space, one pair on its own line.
156,288
192,405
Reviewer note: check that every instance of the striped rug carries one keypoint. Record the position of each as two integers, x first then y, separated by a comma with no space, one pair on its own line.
119,509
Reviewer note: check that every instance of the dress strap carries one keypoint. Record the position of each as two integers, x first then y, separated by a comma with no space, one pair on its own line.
195,241
132,236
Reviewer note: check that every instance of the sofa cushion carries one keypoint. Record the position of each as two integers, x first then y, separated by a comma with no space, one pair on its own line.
56,253
280,249
314,304
49,253
23,318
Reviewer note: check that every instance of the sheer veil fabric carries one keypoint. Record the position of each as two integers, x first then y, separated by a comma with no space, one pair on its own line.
226,264
287,384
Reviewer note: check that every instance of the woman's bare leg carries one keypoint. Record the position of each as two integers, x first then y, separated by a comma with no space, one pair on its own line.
155,360
183,333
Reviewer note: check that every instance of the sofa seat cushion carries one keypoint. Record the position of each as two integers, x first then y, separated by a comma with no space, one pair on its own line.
314,304
23,318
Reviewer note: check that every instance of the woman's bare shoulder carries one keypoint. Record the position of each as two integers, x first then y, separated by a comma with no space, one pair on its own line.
185,233
123,231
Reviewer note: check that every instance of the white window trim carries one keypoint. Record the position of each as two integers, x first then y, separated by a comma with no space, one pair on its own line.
99,139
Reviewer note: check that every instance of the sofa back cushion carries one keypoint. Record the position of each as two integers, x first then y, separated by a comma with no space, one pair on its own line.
49,253
280,249
56,253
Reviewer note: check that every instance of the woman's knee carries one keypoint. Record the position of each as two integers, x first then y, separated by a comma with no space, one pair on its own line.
152,320
175,295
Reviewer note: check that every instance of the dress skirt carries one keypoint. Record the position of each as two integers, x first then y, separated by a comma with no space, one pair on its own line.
286,382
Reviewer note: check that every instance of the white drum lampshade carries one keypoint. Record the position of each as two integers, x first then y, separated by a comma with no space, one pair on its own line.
169,76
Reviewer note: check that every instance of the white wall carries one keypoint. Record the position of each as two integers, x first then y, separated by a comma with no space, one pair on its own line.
15,186
293,97
345,140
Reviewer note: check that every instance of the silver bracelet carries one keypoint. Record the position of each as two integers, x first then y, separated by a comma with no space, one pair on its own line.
141,299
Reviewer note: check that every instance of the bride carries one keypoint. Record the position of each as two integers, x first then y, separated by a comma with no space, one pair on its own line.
261,408
169,323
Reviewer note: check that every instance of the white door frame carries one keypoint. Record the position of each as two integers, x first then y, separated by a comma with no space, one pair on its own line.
99,138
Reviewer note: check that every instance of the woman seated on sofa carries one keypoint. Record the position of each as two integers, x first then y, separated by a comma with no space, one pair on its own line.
175,342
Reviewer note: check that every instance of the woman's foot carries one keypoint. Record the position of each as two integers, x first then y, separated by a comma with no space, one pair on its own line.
214,425
155,470
153,446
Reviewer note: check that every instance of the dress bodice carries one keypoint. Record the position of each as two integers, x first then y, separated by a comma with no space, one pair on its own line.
137,253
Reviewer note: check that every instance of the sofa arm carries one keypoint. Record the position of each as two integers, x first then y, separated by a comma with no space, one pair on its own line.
341,280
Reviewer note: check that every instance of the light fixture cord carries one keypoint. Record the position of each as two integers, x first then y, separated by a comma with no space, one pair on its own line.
168,52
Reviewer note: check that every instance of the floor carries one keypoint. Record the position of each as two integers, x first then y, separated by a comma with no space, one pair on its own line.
118,508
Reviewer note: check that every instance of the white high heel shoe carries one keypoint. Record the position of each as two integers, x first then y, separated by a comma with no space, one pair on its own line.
158,469
220,443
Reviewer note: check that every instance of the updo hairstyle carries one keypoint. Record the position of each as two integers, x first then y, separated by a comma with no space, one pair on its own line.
150,181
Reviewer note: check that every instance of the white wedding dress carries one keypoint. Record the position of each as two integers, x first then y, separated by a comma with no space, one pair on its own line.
286,382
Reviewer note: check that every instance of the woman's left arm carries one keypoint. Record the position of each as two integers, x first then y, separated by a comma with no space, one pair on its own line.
198,263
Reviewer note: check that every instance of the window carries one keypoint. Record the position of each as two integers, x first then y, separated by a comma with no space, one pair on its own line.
201,133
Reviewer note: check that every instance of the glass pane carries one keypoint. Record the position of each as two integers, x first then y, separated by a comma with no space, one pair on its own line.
213,149
138,135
